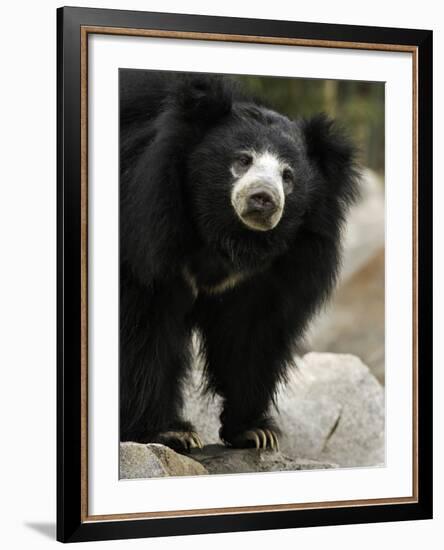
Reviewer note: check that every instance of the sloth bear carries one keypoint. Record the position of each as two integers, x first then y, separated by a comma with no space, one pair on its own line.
230,225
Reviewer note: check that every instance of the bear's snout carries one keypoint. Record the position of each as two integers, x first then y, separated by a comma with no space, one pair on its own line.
259,205
257,195
261,202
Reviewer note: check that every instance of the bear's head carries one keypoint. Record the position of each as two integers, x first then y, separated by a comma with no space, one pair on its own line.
255,177
237,177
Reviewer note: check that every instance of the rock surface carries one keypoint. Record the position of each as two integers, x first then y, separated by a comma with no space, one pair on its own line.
331,413
335,414
153,460
219,459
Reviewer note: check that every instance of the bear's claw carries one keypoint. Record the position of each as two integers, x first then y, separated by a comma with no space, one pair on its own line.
259,438
180,440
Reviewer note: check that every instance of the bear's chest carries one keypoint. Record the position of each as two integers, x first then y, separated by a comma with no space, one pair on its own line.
209,274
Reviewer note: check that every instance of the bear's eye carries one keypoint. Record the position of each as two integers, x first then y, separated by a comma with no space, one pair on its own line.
287,178
287,175
244,160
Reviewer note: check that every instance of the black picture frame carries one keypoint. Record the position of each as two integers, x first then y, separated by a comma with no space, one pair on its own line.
72,523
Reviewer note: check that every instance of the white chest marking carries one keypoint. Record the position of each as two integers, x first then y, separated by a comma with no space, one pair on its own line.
225,284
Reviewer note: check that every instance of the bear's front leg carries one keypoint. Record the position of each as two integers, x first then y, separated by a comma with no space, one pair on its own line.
181,437
259,438
241,429
154,359
248,339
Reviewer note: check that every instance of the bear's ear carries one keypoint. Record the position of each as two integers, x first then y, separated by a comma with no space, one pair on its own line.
333,153
203,98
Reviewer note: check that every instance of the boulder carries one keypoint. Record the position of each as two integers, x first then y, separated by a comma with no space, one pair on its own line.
154,460
333,410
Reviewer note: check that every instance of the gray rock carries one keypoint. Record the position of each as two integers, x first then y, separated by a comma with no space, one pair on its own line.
219,459
331,410
334,412
153,460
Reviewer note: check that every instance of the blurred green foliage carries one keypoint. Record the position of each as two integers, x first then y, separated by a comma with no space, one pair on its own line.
356,106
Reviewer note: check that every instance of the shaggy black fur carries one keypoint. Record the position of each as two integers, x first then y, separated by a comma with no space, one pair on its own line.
178,137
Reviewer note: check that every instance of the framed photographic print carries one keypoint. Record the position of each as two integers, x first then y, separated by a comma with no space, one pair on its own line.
244,274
